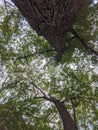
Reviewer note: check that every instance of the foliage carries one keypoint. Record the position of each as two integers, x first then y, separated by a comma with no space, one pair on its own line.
29,69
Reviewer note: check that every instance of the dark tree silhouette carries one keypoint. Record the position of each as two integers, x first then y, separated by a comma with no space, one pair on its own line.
51,18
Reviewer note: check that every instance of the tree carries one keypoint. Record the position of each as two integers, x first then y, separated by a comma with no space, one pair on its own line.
52,19
35,78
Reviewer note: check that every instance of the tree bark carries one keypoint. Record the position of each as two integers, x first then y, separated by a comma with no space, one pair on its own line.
51,18
68,123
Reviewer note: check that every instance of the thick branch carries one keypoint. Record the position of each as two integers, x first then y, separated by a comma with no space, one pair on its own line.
82,40
68,123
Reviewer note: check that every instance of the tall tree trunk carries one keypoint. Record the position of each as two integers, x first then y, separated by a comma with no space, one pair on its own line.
68,123
51,18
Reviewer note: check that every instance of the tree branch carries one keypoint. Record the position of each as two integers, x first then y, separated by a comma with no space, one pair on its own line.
32,54
34,85
79,97
49,97
10,4
5,6
74,113
82,40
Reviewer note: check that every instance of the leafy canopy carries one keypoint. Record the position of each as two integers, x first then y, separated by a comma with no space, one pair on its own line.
28,70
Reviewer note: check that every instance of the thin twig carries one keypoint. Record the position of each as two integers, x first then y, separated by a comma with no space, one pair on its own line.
27,56
79,97
74,114
34,85
5,6
32,54
12,5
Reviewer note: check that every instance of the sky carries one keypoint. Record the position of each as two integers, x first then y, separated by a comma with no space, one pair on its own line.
2,2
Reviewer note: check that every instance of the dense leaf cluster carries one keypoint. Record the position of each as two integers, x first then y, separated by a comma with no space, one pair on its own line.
29,74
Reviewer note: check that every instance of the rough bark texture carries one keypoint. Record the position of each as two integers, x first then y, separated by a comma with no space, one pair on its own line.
67,121
51,18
